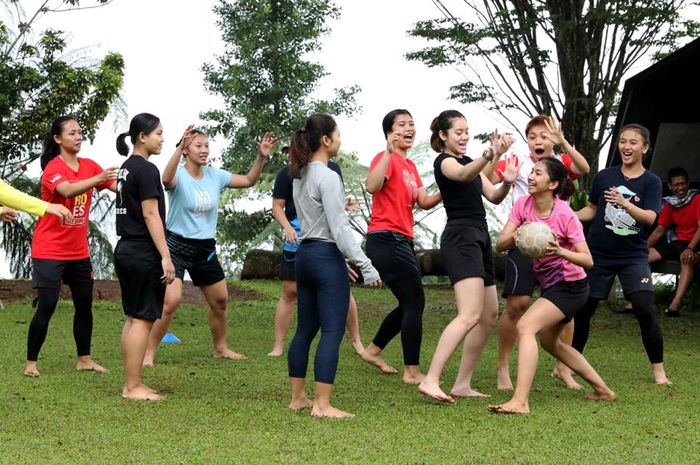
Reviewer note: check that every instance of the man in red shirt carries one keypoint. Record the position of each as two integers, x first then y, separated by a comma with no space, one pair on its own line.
682,212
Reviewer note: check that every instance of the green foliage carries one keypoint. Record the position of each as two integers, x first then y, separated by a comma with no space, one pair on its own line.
565,59
267,83
40,80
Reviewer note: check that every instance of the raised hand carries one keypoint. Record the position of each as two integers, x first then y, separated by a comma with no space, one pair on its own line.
510,172
392,142
500,143
556,133
266,145
187,137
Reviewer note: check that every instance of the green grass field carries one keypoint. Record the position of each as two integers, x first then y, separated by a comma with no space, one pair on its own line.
235,412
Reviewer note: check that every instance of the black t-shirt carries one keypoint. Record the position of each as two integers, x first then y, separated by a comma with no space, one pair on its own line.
283,188
462,200
615,238
138,180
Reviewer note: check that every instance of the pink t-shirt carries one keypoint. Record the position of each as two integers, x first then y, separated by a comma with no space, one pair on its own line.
564,223
392,205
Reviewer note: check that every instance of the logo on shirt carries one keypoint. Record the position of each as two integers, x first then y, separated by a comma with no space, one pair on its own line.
411,186
121,178
617,219
55,178
202,203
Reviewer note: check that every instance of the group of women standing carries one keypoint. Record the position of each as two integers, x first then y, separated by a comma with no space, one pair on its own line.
154,252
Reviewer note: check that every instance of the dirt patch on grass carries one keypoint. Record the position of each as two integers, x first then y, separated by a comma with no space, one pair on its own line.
17,290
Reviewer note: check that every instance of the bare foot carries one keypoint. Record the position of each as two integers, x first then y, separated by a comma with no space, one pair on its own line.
434,392
412,378
275,352
664,381
566,378
359,348
466,392
149,359
301,404
90,365
228,353
503,381
601,395
377,361
140,392
31,370
509,408
330,412
660,374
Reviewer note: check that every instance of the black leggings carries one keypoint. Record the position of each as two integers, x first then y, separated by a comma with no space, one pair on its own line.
643,307
46,305
407,318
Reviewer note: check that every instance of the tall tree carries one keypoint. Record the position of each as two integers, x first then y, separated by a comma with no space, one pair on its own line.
267,81
562,58
40,80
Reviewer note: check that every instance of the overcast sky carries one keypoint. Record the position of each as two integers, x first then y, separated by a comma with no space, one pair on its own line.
165,43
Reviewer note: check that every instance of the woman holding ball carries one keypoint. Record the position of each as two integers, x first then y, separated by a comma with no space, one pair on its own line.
562,279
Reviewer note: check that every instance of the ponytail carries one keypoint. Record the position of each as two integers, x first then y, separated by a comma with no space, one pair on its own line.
307,140
122,148
50,147
442,123
143,123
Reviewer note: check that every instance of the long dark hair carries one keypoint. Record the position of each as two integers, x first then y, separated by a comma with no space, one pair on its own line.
142,123
389,118
442,122
307,140
557,172
51,149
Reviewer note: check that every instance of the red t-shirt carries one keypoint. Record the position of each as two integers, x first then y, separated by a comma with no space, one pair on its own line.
685,219
392,205
68,241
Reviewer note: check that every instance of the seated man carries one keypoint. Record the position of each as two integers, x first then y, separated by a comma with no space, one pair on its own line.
682,212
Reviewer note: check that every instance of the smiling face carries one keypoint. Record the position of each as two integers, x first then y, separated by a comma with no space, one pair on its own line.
152,143
71,137
539,180
679,186
632,147
538,142
456,137
404,125
197,151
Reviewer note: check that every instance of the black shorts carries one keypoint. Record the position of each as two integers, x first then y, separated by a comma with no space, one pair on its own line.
467,253
634,277
392,255
49,273
568,296
197,256
520,277
672,250
287,266
138,266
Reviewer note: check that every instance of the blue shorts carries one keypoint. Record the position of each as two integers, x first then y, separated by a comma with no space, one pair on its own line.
634,277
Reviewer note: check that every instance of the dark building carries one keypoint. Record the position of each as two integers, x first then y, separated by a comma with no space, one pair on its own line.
666,99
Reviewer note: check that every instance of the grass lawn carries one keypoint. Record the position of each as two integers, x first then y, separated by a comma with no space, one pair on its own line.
220,411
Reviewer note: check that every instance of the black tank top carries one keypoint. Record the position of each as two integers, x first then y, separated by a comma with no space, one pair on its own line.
462,200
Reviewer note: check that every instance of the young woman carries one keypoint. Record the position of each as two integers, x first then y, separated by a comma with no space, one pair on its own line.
60,248
194,189
141,257
396,187
542,133
12,200
624,203
465,245
321,272
285,213
561,277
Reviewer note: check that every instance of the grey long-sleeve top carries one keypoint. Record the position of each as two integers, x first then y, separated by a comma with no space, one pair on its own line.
320,204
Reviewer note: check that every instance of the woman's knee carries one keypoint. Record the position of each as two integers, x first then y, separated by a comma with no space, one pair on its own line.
289,291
